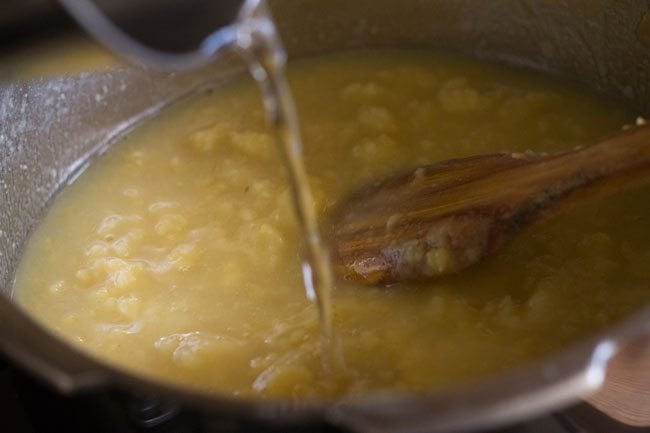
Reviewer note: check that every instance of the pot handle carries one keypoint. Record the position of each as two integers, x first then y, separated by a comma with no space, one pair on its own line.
140,31
625,395
45,355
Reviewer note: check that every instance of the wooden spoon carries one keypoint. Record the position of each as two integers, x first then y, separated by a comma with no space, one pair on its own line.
442,218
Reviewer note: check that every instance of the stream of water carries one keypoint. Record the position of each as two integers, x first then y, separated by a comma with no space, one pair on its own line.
259,44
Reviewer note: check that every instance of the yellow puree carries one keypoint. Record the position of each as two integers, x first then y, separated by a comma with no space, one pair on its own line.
176,255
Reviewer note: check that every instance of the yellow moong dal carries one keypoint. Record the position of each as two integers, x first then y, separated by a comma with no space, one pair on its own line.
176,255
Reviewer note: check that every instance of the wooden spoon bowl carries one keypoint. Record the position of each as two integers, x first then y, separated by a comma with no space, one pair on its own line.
442,218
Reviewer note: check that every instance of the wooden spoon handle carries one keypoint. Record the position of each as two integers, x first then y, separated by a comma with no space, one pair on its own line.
624,153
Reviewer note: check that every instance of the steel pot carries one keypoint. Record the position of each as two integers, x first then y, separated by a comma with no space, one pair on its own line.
50,129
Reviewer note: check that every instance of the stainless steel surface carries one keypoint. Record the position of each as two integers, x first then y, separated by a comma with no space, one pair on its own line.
48,128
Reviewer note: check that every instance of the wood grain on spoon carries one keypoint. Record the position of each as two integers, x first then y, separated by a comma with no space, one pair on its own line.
442,218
